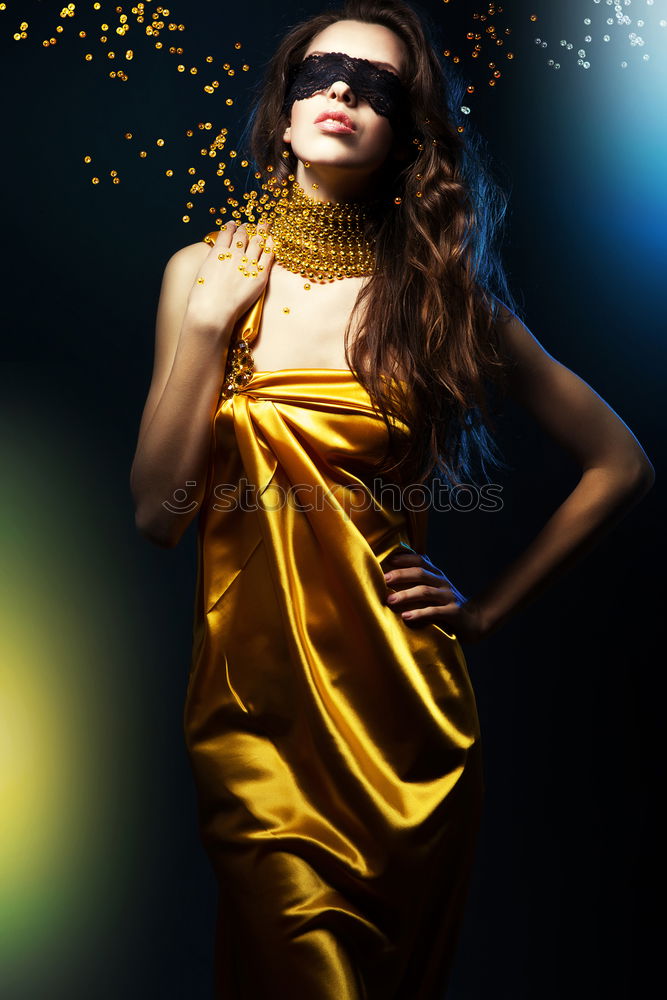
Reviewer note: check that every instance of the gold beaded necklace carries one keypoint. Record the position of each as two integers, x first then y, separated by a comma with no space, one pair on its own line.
321,240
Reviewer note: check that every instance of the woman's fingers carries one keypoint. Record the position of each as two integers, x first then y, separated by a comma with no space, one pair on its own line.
412,574
227,234
240,238
418,586
262,242
235,238
400,560
259,255
418,596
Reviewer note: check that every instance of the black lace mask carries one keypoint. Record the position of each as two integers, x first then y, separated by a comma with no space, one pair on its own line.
380,87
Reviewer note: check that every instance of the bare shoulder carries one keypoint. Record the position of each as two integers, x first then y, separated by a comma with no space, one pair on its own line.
190,257
526,355
569,409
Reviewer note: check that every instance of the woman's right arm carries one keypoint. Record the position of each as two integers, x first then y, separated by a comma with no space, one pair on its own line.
193,328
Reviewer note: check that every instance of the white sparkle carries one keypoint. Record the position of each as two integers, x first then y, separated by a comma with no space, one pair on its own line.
598,23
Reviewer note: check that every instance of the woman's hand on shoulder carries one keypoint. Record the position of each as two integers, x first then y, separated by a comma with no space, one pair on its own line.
231,276
423,595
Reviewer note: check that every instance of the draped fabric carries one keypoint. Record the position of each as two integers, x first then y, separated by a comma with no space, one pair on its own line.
335,749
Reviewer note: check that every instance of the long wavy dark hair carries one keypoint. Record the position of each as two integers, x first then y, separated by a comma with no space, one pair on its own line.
429,311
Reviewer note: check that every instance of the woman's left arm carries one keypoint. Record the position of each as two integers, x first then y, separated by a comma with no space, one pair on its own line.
616,474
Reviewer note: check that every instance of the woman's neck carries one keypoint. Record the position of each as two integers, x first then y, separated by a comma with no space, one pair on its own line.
323,183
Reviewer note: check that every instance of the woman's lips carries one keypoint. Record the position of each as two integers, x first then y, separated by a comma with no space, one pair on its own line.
333,125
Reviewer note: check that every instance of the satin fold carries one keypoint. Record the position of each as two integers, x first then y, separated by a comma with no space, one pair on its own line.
335,749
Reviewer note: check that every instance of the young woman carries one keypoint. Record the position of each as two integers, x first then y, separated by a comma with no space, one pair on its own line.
308,370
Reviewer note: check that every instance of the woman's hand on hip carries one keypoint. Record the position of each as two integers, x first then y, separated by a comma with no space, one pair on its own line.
232,275
423,595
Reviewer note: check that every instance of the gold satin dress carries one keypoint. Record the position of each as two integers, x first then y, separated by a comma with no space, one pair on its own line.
335,749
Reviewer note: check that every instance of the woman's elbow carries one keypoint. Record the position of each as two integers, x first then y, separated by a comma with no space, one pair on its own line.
645,476
166,534
153,520
628,477
638,475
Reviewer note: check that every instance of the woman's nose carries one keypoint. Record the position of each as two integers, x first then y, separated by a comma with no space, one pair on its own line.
341,87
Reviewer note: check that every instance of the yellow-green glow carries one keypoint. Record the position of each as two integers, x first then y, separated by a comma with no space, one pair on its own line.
66,735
